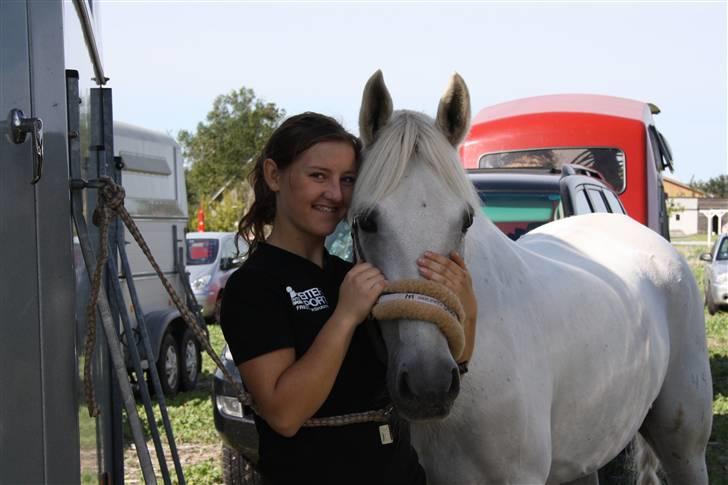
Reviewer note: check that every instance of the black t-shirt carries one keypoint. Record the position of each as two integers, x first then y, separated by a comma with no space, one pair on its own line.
280,300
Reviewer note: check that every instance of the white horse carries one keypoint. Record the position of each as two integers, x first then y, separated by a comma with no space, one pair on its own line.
590,329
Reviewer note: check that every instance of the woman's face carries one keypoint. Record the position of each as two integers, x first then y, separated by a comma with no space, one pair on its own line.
314,192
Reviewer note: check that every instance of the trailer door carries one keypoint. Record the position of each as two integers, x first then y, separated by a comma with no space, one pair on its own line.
38,419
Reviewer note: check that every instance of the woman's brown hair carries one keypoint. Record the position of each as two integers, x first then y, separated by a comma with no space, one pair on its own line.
293,137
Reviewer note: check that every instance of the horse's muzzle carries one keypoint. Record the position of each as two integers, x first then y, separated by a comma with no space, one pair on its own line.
423,386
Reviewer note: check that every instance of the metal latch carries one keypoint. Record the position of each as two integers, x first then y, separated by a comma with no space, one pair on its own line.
20,126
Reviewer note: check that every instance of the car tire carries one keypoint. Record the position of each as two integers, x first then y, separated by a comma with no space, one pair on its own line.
237,470
168,365
712,307
190,364
218,308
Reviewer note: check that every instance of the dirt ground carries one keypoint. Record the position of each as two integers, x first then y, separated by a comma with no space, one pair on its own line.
189,454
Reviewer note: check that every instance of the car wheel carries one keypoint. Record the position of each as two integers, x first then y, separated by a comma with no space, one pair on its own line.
168,365
712,308
191,361
237,470
218,306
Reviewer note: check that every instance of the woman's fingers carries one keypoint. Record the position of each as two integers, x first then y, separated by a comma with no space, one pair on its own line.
439,264
454,256
442,270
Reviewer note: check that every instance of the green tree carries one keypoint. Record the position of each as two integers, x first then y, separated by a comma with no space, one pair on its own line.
715,186
222,147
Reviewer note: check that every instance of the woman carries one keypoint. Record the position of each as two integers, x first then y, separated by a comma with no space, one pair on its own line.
291,316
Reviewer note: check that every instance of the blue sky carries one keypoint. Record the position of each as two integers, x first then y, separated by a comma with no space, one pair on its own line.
168,60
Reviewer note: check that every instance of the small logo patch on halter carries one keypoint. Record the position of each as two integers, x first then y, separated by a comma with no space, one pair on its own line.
418,298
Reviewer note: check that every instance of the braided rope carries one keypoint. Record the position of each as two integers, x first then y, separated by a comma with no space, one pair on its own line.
110,201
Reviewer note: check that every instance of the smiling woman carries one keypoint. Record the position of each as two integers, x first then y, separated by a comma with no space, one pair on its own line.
291,316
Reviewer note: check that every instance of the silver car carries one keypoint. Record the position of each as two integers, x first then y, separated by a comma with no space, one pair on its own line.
211,259
715,276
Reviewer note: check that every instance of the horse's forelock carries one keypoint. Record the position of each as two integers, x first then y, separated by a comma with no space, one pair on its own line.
385,162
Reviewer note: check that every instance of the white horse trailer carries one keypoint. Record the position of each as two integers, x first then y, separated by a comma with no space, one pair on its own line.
152,175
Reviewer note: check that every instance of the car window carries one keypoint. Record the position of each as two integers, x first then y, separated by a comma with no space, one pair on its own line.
201,251
614,204
723,250
595,196
228,248
516,213
338,243
713,247
581,203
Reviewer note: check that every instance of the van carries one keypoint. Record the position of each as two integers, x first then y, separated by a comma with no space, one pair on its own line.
211,259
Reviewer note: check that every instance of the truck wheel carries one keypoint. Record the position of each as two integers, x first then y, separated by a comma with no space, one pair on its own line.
168,365
191,362
237,470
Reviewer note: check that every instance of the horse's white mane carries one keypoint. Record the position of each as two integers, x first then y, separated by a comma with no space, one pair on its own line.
408,135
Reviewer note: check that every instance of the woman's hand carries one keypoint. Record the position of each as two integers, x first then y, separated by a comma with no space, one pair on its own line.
359,292
452,273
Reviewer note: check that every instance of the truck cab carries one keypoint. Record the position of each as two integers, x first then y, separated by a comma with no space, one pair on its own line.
614,136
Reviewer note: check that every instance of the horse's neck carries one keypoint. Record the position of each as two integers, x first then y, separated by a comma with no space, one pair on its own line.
491,256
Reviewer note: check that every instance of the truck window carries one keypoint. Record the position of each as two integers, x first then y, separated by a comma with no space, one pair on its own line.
610,162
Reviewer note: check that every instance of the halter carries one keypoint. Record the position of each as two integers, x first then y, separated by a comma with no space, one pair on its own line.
419,299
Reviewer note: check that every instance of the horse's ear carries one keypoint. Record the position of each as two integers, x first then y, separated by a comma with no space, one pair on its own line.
376,108
453,114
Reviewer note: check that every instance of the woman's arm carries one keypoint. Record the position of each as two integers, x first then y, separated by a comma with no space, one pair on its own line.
287,391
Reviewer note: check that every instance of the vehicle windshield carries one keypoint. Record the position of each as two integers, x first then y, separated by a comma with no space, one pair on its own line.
722,251
607,161
516,213
201,251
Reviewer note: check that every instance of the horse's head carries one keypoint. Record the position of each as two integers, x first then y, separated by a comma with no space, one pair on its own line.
412,195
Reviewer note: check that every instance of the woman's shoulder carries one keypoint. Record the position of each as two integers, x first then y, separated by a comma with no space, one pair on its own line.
255,272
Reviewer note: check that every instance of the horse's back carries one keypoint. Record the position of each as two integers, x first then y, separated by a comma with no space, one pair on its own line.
656,284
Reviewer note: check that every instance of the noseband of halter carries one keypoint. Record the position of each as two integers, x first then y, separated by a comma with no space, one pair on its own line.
419,299
427,301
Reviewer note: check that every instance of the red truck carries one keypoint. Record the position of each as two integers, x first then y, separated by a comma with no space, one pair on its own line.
615,136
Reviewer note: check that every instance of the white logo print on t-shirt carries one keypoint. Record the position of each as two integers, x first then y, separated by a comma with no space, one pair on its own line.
312,299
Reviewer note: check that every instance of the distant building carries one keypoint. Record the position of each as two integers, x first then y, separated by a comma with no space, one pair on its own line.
694,211
674,188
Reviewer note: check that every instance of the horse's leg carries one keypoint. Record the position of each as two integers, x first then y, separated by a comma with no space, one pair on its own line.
678,425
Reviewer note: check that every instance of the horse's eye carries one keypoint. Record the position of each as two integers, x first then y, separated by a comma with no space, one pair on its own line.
467,219
368,222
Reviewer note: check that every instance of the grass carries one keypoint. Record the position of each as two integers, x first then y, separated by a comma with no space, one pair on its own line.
716,327
193,428
191,412
693,238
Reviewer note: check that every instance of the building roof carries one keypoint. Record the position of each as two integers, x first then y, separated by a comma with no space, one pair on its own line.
667,181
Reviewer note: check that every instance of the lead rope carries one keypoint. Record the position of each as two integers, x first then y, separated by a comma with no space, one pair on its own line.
110,202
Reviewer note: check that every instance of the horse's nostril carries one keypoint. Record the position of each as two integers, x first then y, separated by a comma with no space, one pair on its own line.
455,383
404,389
